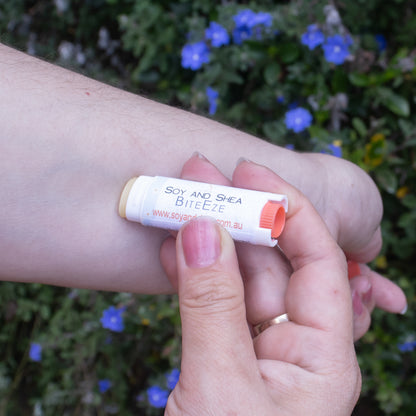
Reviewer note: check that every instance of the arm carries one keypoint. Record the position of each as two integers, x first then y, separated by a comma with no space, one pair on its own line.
69,143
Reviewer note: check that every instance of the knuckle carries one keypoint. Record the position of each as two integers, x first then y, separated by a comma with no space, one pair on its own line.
212,294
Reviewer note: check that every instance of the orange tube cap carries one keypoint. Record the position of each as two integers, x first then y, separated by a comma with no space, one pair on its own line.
273,217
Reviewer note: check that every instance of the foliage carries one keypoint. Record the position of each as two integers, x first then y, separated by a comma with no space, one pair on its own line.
352,76
83,363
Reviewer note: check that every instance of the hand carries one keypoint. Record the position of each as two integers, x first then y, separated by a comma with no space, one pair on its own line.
264,290
305,366
351,206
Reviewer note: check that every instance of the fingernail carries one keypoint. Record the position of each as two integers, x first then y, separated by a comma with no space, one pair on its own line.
241,160
201,241
367,295
357,304
199,156
403,312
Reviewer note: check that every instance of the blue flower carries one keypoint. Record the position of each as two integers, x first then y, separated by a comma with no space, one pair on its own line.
292,105
212,100
348,40
104,385
217,34
262,18
407,346
381,42
112,319
333,149
336,49
35,352
313,37
245,19
172,378
240,34
194,55
298,119
157,397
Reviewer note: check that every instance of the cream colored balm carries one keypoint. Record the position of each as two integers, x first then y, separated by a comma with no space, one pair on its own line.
251,216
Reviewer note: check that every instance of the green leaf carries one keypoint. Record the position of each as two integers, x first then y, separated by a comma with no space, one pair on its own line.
272,73
213,72
275,131
339,81
398,105
237,111
409,143
390,74
387,180
359,126
394,102
409,201
318,133
408,129
231,77
407,221
289,52
359,80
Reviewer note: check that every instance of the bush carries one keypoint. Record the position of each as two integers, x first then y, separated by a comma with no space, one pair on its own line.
322,76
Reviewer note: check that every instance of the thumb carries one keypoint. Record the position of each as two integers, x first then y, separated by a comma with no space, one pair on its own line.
211,299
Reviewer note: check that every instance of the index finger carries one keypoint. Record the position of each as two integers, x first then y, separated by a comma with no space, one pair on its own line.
318,294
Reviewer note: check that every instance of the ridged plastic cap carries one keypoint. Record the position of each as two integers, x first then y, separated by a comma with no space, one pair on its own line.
273,217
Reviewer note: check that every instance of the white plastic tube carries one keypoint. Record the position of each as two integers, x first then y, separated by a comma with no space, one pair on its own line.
251,216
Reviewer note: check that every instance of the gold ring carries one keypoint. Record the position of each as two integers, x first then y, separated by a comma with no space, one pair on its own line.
258,329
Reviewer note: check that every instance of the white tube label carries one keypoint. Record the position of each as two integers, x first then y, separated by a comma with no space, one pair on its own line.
251,216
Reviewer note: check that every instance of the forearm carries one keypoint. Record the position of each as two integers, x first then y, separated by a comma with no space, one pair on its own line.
68,144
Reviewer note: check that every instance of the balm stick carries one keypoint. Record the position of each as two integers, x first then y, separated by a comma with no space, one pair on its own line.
251,216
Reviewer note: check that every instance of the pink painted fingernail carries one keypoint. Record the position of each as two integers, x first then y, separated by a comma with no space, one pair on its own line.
357,305
201,241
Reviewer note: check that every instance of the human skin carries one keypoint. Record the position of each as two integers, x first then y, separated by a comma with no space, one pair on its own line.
68,144
265,289
305,366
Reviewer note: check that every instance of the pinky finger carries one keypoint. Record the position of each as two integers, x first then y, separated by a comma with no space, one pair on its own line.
386,294
362,305
369,290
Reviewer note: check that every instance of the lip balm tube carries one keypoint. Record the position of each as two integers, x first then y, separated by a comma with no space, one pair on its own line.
251,216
